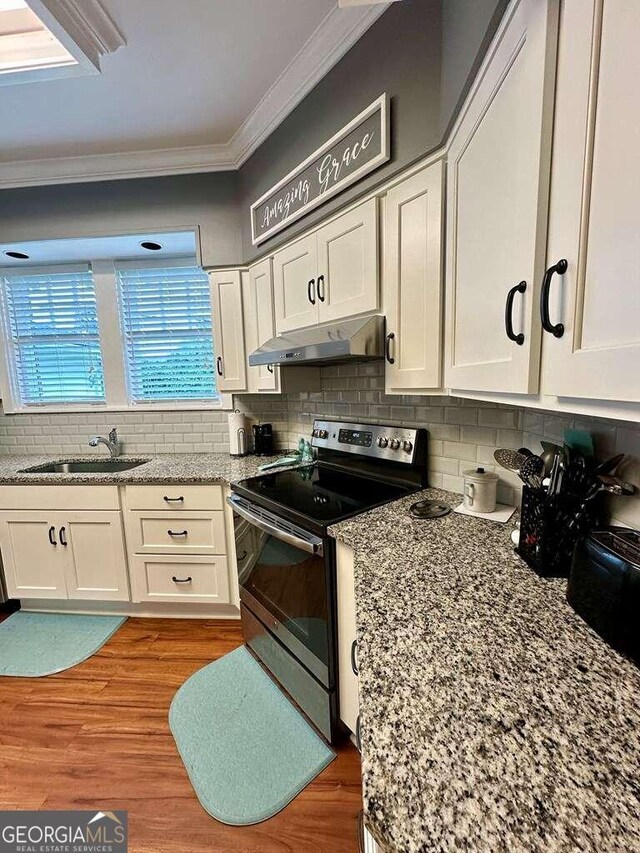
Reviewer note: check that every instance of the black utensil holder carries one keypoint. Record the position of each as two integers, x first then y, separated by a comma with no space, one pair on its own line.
550,527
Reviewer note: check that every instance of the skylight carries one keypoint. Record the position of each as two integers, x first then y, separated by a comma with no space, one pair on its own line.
25,43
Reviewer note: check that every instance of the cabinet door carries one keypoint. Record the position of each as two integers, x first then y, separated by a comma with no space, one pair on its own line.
412,282
347,677
228,324
261,295
34,567
348,264
295,270
497,196
96,566
595,205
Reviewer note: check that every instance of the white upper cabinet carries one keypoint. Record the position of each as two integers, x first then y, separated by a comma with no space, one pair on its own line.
497,198
412,282
347,280
228,325
259,313
330,274
295,270
595,205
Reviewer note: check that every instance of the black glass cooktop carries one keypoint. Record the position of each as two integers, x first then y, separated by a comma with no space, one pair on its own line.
316,496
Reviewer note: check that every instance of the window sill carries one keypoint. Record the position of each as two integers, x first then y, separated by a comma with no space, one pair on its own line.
224,404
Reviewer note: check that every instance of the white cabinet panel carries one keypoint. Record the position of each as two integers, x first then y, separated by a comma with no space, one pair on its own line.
347,281
181,579
226,300
261,309
595,205
295,270
412,282
96,566
497,179
347,678
165,533
34,567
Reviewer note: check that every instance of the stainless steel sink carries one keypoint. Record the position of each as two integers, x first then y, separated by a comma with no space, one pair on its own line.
87,466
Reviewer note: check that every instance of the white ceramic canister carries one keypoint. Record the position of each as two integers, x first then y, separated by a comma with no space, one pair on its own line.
238,443
480,488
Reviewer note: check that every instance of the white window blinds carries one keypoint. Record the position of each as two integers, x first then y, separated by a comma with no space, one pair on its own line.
168,337
53,329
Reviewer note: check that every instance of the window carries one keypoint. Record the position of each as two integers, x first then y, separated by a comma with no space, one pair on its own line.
53,332
112,335
167,329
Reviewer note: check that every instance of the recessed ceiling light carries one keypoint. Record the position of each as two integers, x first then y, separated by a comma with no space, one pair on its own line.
20,256
150,245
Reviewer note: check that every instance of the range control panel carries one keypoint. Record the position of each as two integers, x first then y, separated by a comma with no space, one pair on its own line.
375,440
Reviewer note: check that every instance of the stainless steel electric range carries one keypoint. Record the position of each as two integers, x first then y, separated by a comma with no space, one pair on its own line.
286,560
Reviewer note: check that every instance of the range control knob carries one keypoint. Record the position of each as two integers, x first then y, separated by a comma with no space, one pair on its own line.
323,433
383,441
395,443
407,446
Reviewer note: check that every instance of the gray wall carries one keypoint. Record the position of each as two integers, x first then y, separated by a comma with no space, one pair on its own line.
423,53
115,207
467,28
400,55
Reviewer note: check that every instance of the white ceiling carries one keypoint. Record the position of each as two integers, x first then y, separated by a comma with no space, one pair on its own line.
199,83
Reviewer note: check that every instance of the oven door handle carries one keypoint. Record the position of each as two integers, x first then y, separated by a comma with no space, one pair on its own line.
314,546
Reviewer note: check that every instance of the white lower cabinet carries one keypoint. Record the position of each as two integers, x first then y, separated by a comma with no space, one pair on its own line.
178,555
34,562
65,555
97,564
347,643
194,579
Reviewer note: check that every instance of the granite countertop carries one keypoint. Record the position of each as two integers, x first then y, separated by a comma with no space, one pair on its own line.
160,468
493,719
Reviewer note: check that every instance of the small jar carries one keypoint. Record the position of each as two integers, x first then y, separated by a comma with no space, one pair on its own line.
480,489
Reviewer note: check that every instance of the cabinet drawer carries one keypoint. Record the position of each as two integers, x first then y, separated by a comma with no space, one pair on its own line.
59,497
195,579
177,533
175,497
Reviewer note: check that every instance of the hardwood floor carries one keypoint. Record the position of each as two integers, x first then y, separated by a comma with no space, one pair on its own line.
97,737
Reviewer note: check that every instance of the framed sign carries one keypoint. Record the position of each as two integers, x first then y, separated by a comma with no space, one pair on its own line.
357,149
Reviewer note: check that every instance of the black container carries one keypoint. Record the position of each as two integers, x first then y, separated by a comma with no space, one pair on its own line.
550,527
604,587
263,440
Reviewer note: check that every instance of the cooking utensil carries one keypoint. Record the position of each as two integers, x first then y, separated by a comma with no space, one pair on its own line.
549,450
616,486
610,466
580,441
525,451
510,459
532,471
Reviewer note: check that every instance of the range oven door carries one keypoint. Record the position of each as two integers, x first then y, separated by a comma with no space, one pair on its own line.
285,581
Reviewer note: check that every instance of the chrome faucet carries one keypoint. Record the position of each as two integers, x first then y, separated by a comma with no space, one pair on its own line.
111,443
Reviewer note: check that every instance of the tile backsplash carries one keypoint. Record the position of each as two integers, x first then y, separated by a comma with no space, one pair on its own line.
463,433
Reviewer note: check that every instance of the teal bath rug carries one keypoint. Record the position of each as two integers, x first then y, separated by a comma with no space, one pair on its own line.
247,750
37,644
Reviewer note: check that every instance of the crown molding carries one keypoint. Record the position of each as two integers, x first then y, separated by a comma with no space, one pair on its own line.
85,22
336,34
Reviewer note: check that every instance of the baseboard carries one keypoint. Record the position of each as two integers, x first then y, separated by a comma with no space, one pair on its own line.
126,608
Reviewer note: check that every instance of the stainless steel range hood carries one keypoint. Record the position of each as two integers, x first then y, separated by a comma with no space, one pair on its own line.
349,340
